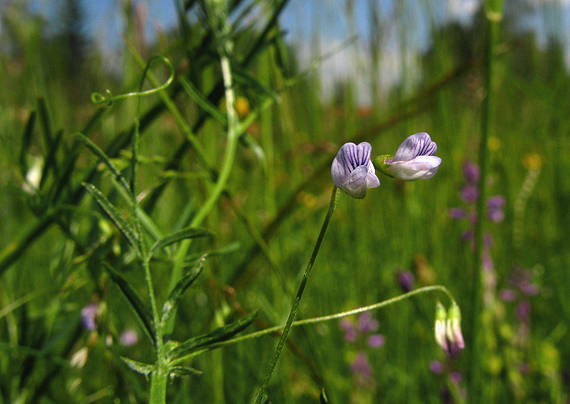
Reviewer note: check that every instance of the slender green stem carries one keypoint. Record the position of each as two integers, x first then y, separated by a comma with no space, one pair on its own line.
493,9
330,317
158,382
220,185
293,312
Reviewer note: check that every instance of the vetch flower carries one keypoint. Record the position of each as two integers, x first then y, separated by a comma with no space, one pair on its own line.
413,160
406,280
436,367
471,172
88,314
376,341
129,337
360,366
366,323
352,171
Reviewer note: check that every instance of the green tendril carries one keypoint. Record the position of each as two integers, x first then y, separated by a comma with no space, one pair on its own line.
108,98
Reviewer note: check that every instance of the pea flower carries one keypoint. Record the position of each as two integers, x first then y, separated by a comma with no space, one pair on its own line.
352,171
413,160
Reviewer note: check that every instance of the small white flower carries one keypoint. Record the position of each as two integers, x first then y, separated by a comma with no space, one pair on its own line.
352,171
414,159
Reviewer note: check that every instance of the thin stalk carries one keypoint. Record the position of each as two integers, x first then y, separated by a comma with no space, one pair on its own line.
293,312
330,317
493,16
160,376
219,187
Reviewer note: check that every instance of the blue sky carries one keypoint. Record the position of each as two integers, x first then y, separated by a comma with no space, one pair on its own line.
326,20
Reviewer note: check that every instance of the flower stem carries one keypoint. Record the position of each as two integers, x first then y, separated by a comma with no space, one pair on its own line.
219,187
493,13
330,317
293,312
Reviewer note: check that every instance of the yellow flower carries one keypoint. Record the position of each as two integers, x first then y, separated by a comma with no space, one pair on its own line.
494,143
532,161
242,106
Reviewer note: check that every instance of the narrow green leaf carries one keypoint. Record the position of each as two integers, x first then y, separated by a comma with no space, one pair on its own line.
103,156
50,161
218,335
173,299
245,79
202,101
111,211
184,371
44,121
141,311
26,141
189,232
139,367
281,56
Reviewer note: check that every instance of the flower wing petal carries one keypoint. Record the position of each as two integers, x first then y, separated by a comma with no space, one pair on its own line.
372,180
421,167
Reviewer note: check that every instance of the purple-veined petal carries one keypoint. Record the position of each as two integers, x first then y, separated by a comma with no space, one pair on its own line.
419,144
352,171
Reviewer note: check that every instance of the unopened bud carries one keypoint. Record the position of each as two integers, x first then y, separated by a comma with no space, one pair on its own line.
454,335
440,326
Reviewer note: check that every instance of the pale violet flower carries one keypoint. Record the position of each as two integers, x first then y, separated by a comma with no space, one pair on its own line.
352,171
413,160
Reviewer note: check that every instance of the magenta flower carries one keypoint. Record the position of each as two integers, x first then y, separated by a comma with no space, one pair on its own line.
376,341
88,314
406,280
129,338
366,323
414,159
471,172
469,193
360,366
352,171
495,208
457,213
436,367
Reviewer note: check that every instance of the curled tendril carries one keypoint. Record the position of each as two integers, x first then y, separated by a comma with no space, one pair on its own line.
108,98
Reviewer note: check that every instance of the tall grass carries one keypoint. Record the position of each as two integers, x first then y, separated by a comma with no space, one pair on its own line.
260,183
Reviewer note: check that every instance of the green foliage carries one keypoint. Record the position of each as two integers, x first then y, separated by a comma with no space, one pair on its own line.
153,159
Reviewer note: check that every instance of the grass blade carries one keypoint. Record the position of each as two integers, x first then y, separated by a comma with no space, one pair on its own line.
26,141
44,121
51,158
142,312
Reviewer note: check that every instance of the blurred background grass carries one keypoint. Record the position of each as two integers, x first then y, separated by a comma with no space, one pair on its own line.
414,66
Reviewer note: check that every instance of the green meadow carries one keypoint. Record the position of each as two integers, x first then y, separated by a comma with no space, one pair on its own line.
167,221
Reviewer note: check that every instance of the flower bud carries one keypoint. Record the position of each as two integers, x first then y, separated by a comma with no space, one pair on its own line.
454,335
440,326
